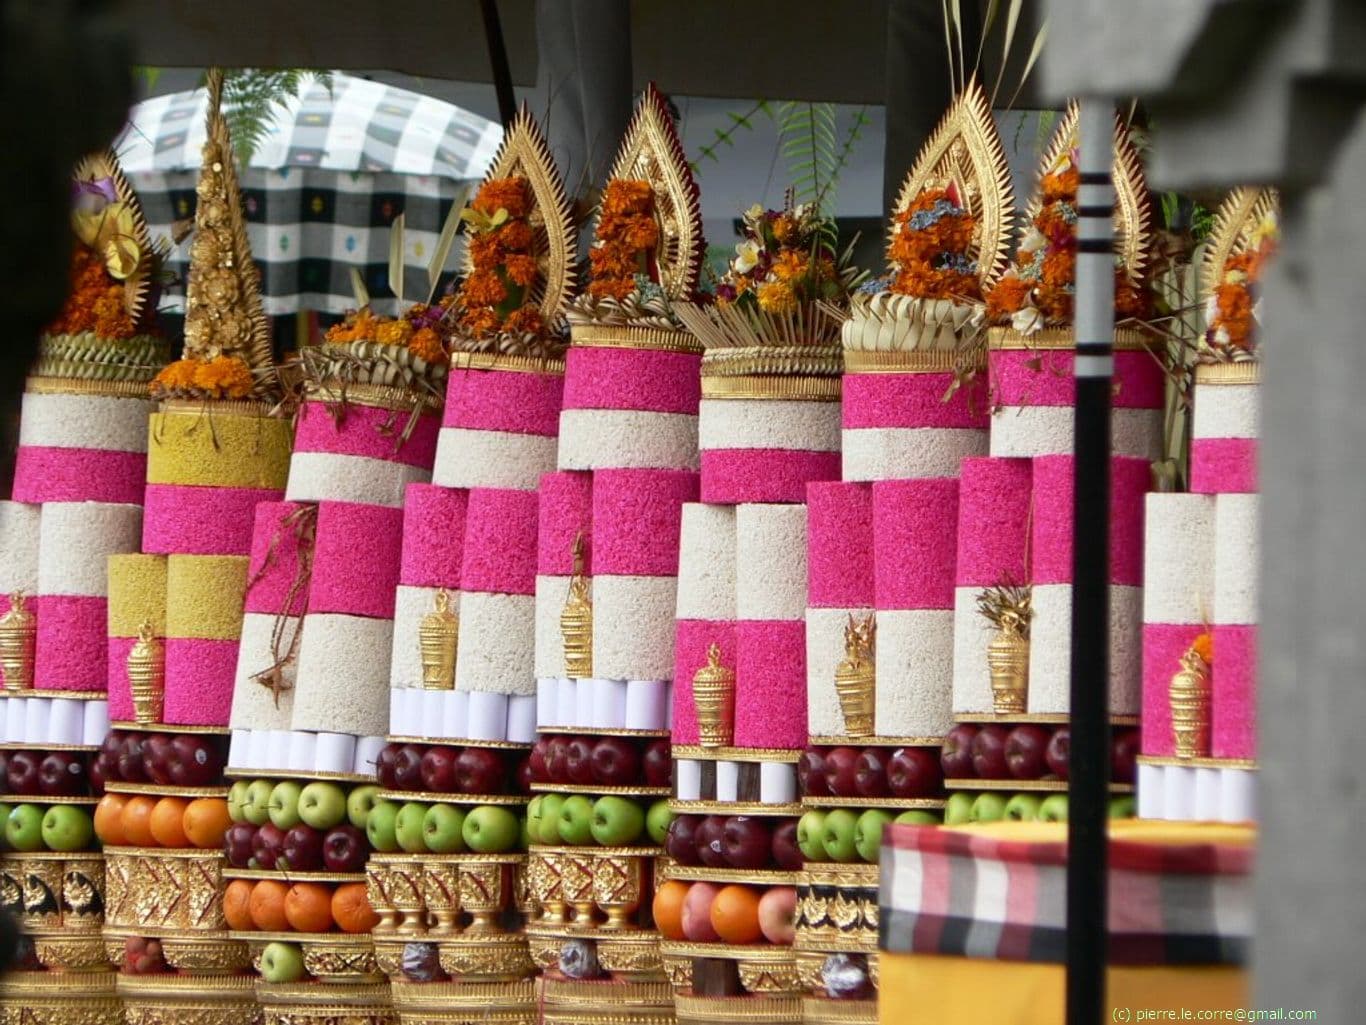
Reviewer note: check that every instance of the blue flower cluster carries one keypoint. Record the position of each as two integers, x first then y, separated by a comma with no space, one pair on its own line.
922,219
955,262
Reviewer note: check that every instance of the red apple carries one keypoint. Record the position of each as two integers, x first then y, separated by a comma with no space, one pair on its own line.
61,774
914,772
267,845
302,850
4,773
1059,751
437,769
130,758
681,841
386,764
658,763
697,903
870,772
955,757
579,760
156,758
22,773
479,770
711,841
778,915
238,843
539,773
989,753
614,762
195,760
1025,748
99,774
408,767
1124,756
841,771
787,855
745,842
811,773
523,775
557,759
345,849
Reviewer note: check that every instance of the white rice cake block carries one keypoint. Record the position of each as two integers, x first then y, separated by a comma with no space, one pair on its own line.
411,606
254,705
76,540
342,684
492,459
914,672
84,421
1050,650
602,439
1178,558
971,635
770,556
706,563
20,528
338,477
633,627
1226,411
497,649
824,650
765,423
1237,559
1028,431
551,594
903,453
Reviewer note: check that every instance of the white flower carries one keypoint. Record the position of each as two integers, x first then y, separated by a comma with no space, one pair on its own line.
1033,240
1211,310
1221,337
1027,320
746,256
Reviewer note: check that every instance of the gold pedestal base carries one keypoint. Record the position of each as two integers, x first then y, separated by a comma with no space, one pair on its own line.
465,1003
775,1010
189,1000
822,1011
606,1002
320,1003
60,998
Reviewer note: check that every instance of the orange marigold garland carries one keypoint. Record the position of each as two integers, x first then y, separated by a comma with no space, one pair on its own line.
496,295
627,235
930,250
223,377
1231,310
784,259
423,330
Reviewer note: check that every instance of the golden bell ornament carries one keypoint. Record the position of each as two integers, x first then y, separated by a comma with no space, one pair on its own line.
1188,694
437,637
856,677
576,621
18,632
147,676
713,695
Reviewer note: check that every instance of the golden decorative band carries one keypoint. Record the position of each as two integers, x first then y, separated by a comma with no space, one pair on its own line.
1127,339
504,361
75,386
841,740
638,994
740,754
628,336
772,1010
905,361
825,1011
377,396
1245,764
209,407
792,389
1242,372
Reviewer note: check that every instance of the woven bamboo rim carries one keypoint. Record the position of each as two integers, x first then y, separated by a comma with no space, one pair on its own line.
1242,372
75,386
505,361
796,389
219,407
1247,764
905,361
376,396
696,752
1127,339
774,1009
628,336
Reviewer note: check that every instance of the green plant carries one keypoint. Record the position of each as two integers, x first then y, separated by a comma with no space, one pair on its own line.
254,97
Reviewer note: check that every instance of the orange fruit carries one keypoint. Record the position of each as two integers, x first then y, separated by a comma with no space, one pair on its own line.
206,821
168,822
237,905
668,909
266,906
308,907
108,815
136,821
735,914
351,908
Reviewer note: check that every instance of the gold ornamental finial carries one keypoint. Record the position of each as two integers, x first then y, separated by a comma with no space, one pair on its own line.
18,633
856,677
576,621
147,676
713,695
1009,608
1188,694
438,636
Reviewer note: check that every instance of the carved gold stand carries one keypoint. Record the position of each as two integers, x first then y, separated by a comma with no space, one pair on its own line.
571,1002
60,998
465,1003
780,1010
319,1003
189,1000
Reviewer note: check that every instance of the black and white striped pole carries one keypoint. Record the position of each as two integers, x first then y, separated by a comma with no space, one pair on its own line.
1089,769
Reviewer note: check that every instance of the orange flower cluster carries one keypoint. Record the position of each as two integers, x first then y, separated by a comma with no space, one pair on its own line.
930,249
626,236
419,330
223,377
96,301
495,295
1232,320
1204,647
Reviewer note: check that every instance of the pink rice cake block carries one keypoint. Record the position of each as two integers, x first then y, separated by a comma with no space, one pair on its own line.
120,691
770,683
199,681
637,517
503,400
1044,377
181,519
1233,712
1222,466
911,400
274,567
500,542
356,559
1163,646
692,639
732,476
565,513
839,542
993,519
72,643
46,474
915,534
366,431
433,536
1051,541
639,379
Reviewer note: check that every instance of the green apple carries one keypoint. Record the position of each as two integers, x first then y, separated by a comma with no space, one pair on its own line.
1053,808
523,834
918,817
617,821
491,829
322,805
67,827
549,825
359,803
958,808
256,803
841,826
657,820
5,810
811,835
282,962
284,804
24,828
408,827
441,829
868,833
380,826
533,817
576,820
989,806
237,800
1022,808
1123,807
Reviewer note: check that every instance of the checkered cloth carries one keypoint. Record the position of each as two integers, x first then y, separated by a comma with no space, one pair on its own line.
323,187
977,895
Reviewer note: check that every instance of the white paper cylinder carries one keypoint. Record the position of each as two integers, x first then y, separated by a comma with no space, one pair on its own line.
339,477
76,540
303,749
455,714
521,725
334,752
1178,793
566,702
583,703
1150,792
777,782
727,781
258,749
367,755
688,779
609,705
1238,798
95,726
277,750
37,714
237,748
647,704
66,721
770,570
10,709
1207,794
15,718
706,565
400,714
467,458
488,716
20,529
547,709
433,711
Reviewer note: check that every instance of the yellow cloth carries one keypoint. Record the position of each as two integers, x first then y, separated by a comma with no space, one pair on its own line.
217,449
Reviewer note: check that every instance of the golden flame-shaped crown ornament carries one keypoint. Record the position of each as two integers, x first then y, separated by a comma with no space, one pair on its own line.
438,636
713,695
18,634
147,676
576,620
856,676
1188,695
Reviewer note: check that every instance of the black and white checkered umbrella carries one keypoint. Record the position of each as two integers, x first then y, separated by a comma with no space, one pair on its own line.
323,186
